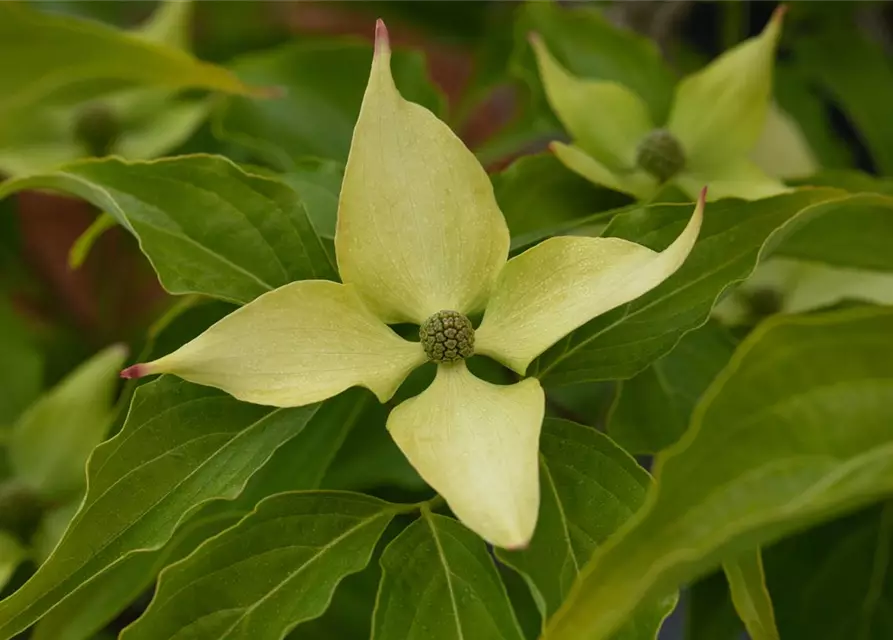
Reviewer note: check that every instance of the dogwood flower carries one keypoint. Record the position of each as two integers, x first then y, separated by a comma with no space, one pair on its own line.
715,121
420,239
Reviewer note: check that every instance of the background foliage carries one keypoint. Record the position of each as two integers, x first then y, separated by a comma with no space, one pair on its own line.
719,451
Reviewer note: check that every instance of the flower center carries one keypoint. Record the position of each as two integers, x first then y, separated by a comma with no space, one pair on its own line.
447,336
660,154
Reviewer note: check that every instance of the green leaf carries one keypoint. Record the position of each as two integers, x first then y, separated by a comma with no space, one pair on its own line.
850,180
305,461
319,183
857,73
734,237
323,85
539,197
835,582
370,459
12,553
652,410
750,596
439,583
298,464
587,45
279,566
21,375
50,444
182,446
710,613
93,606
857,235
49,58
794,431
590,487
207,226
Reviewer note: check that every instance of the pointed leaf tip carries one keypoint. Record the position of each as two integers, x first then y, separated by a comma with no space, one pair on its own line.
779,13
135,371
382,40
702,198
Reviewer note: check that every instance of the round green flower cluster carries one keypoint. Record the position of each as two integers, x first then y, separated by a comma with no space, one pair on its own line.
447,336
661,155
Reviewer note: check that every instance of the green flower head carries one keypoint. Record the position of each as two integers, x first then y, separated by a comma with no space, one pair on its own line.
420,239
715,122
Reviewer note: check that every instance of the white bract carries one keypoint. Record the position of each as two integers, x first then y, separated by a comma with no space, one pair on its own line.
714,124
419,232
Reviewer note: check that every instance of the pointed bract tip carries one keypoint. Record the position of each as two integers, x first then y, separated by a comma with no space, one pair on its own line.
521,546
382,40
533,37
135,371
702,198
779,12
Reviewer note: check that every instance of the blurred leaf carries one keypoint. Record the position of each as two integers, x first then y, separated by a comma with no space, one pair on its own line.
12,553
853,181
856,234
118,90
439,583
590,487
794,431
652,410
795,93
540,197
323,84
587,45
54,59
834,582
750,596
735,234
279,566
21,375
785,285
782,150
182,446
50,443
207,226
858,75
464,22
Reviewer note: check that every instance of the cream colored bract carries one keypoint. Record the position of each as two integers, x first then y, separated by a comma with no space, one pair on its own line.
717,117
419,232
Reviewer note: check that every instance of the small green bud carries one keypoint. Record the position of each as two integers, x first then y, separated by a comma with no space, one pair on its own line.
20,509
764,303
660,154
97,128
447,336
